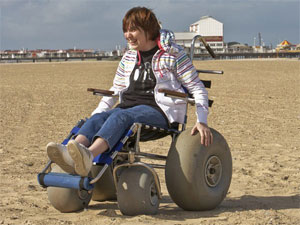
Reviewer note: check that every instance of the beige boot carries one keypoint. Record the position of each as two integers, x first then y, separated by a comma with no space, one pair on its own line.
58,154
82,157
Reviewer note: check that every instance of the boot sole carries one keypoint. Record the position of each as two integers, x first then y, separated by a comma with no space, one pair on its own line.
78,159
56,156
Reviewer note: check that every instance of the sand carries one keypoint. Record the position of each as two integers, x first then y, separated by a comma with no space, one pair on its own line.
256,108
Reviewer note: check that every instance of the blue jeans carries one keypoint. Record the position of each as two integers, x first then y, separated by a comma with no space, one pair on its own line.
111,125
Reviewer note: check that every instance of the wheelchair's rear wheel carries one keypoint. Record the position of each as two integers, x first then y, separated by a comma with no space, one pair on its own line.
136,192
65,199
198,177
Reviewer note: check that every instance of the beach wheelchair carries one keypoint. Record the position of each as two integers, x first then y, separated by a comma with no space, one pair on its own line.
197,177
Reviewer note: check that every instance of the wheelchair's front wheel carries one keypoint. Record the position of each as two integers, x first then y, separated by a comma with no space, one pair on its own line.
198,177
65,199
104,189
136,192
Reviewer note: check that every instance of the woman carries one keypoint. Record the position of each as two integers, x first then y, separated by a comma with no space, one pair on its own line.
153,62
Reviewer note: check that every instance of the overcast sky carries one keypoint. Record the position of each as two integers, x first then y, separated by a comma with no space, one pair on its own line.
96,24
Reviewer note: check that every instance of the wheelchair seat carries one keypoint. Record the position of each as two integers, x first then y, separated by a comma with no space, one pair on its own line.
150,133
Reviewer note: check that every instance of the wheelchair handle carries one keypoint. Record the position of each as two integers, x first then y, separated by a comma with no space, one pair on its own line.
208,48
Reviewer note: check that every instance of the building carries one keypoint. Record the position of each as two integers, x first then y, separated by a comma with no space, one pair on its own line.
208,27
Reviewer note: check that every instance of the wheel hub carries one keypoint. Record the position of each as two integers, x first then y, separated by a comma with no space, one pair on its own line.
213,171
153,194
82,194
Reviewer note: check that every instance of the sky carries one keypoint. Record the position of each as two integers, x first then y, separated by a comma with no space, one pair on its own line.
97,24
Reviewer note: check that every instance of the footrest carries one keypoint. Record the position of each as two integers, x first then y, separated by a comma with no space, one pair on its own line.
65,181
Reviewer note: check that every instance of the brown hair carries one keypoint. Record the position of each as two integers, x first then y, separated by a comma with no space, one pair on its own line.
142,18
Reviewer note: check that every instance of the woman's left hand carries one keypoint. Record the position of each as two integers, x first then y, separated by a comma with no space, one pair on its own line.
205,133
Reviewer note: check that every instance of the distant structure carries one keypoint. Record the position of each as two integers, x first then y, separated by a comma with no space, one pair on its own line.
208,27
286,45
259,39
212,30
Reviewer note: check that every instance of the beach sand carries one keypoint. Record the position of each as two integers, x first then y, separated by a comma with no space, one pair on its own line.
256,108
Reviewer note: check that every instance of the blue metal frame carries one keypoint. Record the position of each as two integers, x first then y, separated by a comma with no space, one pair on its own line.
74,181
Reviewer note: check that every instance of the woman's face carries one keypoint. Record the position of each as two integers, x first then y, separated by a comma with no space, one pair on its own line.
137,39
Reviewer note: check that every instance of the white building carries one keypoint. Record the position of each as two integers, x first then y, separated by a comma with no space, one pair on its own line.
208,27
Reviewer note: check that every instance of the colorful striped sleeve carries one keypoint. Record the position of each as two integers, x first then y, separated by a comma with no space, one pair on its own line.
188,76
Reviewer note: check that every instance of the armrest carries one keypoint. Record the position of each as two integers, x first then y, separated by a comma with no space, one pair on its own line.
182,96
100,92
211,71
172,93
176,94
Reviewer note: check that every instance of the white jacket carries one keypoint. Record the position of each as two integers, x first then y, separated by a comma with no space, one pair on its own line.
172,69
